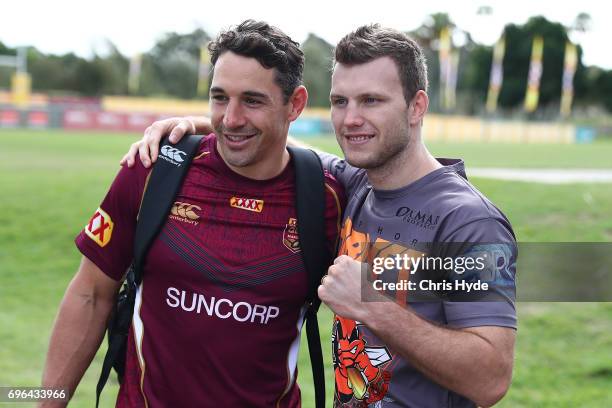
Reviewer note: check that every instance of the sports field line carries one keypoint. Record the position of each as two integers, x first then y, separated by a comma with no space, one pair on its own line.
546,176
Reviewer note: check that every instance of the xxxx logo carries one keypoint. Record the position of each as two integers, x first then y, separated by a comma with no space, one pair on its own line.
249,204
100,228
185,212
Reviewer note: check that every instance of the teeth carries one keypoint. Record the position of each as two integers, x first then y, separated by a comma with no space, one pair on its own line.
234,138
359,138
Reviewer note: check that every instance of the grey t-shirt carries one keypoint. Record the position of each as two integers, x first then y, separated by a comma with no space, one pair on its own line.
441,207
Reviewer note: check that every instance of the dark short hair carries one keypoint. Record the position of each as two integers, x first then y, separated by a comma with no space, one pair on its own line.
269,46
373,41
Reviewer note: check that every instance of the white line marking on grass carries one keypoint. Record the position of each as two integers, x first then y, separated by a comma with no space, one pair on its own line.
546,176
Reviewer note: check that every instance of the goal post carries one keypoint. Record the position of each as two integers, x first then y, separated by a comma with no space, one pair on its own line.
21,82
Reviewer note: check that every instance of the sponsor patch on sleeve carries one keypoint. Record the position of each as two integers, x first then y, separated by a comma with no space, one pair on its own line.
100,228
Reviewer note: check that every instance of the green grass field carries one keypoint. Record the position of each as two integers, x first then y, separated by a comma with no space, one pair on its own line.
52,181
596,155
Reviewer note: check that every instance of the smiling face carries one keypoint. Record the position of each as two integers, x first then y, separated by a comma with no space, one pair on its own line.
369,112
249,115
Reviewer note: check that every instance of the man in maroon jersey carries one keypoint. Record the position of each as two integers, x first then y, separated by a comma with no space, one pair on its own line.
218,315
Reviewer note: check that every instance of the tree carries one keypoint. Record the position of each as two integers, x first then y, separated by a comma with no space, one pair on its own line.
428,36
53,72
475,68
518,54
175,60
6,72
317,70
582,23
114,68
603,88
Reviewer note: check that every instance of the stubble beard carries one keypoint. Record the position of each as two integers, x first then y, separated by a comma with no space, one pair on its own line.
241,158
387,156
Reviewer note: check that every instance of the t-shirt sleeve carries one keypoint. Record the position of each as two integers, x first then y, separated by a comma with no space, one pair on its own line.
492,241
350,177
108,237
335,202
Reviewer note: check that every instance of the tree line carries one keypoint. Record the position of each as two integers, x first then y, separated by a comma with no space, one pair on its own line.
170,69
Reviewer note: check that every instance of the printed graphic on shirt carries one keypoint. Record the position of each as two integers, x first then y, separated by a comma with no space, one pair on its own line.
230,278
185,212
100,228
221,308
357,366
361,370
249,204
290,236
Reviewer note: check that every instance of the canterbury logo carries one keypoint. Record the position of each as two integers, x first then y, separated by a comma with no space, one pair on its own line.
185,212
173,154
249,204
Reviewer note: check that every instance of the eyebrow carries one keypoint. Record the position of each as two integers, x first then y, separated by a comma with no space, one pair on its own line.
360,96
254,94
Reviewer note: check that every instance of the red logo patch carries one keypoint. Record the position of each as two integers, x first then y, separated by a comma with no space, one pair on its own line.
100,228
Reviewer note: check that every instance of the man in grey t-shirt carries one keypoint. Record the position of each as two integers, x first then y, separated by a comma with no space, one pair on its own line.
394,367
453,351
450,350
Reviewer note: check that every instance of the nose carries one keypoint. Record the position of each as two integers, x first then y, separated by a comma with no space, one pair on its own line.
233,117
352,117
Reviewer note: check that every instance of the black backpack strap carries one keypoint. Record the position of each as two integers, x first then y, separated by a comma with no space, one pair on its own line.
310,207
117,340
164,184
316,357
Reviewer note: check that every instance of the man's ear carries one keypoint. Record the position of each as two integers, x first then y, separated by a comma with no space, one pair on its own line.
297,102
420,103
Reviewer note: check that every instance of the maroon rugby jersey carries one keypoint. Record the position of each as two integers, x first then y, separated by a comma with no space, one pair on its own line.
220,309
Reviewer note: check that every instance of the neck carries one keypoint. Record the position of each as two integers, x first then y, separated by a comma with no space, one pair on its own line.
408,166
263,171
270,167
